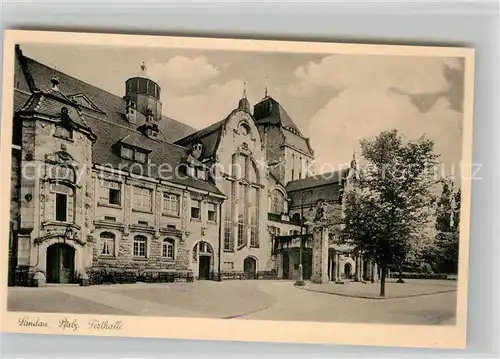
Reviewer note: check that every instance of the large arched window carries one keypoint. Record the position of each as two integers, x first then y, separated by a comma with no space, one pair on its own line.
108,244
242,206
277,202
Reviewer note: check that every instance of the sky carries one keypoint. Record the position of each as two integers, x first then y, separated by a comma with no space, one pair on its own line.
335,99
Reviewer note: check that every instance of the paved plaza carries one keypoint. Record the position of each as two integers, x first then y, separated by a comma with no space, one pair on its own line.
260,300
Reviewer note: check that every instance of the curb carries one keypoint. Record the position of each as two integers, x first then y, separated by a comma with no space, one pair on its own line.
373,298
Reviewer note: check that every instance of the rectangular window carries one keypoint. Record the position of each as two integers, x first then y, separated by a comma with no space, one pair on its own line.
200,173
127,152
253,208
140,156
195,209
61,207
228,222
140,246
168,249
212,212
142,198
242,217
111,192
170,204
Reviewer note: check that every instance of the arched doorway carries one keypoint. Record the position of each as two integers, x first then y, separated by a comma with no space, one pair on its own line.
203,253
60,264
250,268
347,271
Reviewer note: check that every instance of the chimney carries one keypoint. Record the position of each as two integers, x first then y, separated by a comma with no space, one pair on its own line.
131,112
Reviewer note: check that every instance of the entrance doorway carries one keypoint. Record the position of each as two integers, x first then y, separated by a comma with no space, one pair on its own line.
60,263
204,267
307,264
347,271
286,265
250,268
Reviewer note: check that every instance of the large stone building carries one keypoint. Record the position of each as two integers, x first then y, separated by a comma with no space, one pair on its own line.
105,188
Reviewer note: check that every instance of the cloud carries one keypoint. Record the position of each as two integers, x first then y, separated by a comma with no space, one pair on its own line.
370,94
337,128
407,73
183,74
202,109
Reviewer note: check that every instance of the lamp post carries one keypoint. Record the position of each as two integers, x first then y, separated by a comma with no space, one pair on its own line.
300,280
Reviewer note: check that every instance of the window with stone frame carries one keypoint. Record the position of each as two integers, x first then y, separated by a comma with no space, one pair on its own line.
63,202
110,192
253,209
143,198
228,216
246,182
168,248
171,204
242,216
140,246
108,243
195,209
212,212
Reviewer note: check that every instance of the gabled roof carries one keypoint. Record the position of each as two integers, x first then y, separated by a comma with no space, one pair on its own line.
83,100
113,105
323,179
109,126
310,190
209,137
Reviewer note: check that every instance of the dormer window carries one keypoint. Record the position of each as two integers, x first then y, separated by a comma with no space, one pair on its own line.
140,156
134,154
200,173
127,152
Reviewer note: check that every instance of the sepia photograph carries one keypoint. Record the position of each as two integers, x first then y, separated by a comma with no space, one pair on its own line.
236,181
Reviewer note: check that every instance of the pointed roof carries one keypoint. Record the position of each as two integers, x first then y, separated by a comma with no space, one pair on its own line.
270,111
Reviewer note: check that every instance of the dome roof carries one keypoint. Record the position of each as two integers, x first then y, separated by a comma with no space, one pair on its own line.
143,72
243,103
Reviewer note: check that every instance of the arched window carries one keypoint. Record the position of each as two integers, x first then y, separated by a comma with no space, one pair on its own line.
246,194
277,202
168,248
108,244
140,246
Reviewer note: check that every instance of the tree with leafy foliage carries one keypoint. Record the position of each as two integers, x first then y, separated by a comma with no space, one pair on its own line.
389,205
445,254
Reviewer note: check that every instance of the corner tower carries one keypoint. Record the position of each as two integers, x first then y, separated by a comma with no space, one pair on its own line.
143,94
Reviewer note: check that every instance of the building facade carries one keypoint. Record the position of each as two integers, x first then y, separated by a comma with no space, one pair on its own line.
106,189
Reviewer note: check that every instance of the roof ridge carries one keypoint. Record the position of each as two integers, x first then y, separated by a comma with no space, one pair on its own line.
73,78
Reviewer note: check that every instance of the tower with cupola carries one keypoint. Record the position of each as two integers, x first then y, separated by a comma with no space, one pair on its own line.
143,95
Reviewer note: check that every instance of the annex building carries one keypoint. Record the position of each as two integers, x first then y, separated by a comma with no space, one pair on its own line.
106,188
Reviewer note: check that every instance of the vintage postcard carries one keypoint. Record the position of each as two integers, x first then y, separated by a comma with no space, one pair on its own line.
228,189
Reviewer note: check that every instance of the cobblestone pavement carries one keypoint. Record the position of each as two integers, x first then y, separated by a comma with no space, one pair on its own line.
263,300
